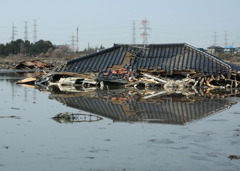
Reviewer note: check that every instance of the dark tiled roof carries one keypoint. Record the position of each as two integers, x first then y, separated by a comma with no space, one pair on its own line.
158,112
215,47
161,57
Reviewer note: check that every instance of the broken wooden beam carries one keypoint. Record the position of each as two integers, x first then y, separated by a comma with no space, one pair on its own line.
154,78
30,80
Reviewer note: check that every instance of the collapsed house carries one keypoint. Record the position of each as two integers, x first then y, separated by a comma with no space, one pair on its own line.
167,65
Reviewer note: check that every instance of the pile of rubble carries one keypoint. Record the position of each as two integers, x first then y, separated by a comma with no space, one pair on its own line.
32,65
126,79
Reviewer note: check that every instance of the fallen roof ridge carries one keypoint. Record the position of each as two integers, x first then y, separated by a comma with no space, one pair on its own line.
210,56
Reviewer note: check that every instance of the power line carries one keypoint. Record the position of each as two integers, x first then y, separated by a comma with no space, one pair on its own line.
26,31
14,32
145,29
34,30
77,41
133,32
73,42
225,39
215,39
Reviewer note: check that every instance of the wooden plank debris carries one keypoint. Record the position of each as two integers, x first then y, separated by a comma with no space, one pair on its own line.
30,80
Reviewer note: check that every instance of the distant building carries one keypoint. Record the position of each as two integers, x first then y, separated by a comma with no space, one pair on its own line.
229,49
215,49
237,50
201,49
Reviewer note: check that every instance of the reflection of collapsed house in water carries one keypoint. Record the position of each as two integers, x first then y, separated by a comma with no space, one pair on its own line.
171,65
131,106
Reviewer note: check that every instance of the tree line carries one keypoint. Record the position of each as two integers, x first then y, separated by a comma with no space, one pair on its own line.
25,48
42,48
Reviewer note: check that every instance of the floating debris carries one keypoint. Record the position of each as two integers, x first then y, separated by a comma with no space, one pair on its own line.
73,118
12,117
234,157
39,78
30,80
15,108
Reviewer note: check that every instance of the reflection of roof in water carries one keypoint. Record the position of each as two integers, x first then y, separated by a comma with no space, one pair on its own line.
120,108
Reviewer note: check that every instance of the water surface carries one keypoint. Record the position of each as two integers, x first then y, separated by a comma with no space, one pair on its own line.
135,133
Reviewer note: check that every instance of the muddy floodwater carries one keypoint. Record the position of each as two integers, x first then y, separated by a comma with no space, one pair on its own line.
115,130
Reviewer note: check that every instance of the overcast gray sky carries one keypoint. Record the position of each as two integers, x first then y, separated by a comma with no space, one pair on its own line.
104,22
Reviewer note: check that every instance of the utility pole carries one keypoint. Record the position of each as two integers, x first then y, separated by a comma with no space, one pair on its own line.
26,31
145,29
14,32
73,42
34,30
215,39
77,50
88,46
225,39
133,32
